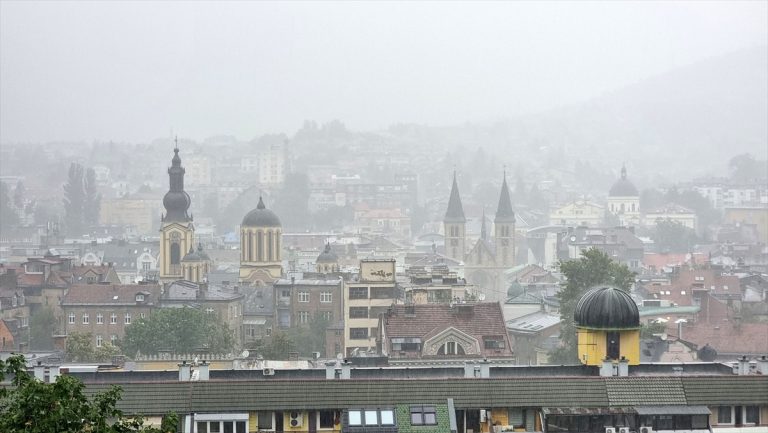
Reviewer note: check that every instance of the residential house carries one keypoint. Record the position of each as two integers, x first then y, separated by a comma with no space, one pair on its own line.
456,330
105,310
365,299
578,213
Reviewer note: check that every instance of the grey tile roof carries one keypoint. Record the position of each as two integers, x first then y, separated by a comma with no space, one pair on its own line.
726,390
646,391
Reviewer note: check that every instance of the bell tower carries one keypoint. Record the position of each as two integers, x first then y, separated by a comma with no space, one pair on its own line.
177,233
504,228
455,224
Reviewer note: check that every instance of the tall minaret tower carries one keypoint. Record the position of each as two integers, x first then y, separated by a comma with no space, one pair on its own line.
177,233
504,228
455,225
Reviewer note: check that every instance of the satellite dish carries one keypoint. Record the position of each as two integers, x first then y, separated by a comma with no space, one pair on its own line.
245,354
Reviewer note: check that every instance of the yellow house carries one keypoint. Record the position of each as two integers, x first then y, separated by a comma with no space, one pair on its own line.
608,326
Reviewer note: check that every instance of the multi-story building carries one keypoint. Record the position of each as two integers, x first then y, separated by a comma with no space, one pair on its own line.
435,284
273,165
141,212
299,302
106,310
578,213
374,291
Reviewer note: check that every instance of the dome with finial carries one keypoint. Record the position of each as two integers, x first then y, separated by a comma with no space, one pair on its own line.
607,308
261,217
176,200
623,187
196,255
327,256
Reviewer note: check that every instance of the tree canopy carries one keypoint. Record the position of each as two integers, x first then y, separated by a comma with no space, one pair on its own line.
179,330
593,268
673,237
33,406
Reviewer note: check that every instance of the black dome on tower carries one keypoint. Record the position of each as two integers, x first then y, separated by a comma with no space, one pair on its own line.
327,256
607,308
261,217
176,200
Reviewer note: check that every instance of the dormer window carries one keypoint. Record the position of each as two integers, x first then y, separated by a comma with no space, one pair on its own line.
139,297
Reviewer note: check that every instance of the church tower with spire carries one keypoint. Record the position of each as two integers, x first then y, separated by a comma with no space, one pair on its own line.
455,224
177,233
504,228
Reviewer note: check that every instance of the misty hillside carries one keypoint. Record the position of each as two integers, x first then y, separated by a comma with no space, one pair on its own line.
712,110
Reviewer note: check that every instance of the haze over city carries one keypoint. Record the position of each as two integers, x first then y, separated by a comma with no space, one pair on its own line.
384,217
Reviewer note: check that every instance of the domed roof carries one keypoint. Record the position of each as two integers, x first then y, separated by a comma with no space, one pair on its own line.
196,256
623,187
607,308
176,204
261,217
327,256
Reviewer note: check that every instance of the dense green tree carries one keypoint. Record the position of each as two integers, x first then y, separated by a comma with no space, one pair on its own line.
278,347
8,215
292,203
42,325
80,347
33,406
18,195
74,200
180,330
745,168
593,268
672,236
92,199
311,338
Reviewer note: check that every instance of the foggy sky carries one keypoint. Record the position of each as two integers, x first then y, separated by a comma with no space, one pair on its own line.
136,71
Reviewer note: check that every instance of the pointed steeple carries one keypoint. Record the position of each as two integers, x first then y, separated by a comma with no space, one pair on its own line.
504,212
483,229
623,171
261,204
455,211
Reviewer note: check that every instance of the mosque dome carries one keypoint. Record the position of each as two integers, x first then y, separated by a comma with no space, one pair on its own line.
261,217
607,308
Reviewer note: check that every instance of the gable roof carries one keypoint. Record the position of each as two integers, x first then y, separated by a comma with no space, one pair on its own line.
425,320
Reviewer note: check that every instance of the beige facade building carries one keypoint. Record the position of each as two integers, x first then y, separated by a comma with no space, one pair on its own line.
364,300
139,212
578,213
260,246
624,200
177,232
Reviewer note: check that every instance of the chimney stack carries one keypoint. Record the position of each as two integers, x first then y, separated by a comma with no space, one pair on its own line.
762,365
346,370
606,369
203,371
623,367
743,366
39,371
185,371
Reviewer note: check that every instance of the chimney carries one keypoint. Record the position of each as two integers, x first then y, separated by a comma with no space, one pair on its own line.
606,369
203,371
623,367
39,371
54,373
762,365
743,366
185,371
346,370
485,369
469,369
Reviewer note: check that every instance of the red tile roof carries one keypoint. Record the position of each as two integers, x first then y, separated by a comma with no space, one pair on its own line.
427,320
749,338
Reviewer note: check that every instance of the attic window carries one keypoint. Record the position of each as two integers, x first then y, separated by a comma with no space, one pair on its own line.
682,292
139,297
114,298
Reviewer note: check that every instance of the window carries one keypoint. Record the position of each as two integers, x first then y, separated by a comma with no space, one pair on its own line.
327,315
326,297
382,293
371,417
358,333
423,415
358,293
142,315
303,316
113,339
494,343
209,310
303,296
285,293
99,340
139,297
86,319
752,415
127,318
265,420
113,319
387,417
99,319
327,419
725,415
517,417
71,318
358,312
451,348
355,417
